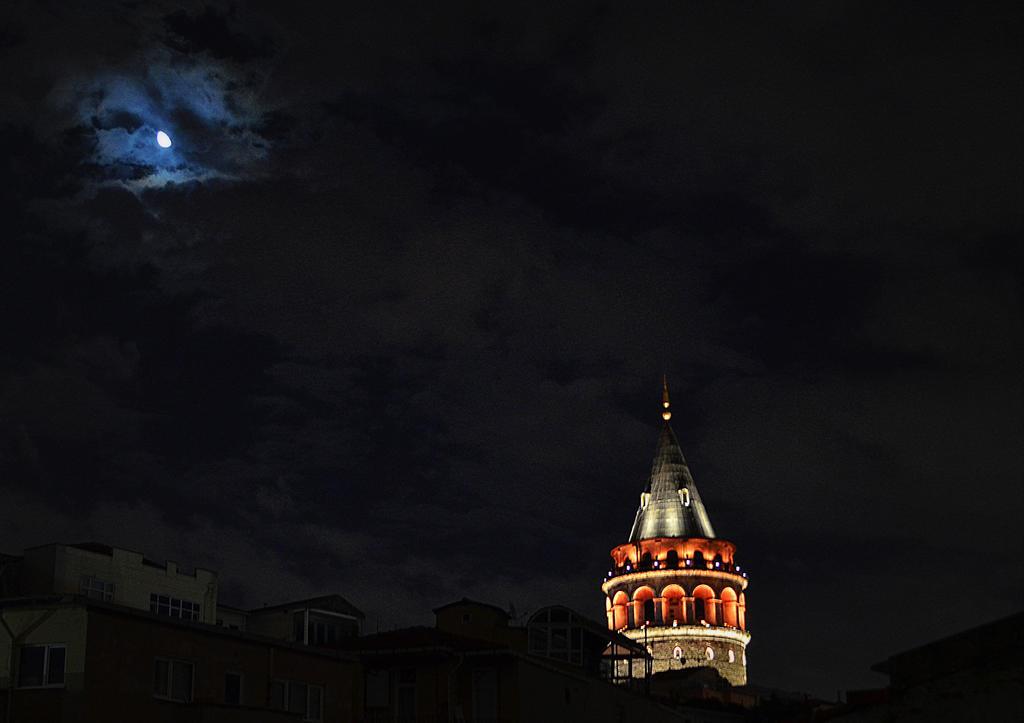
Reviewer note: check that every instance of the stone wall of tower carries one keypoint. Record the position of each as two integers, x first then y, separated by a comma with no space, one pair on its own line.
687,615
686,647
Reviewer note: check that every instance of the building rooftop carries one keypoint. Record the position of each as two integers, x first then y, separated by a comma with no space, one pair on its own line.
419,638
331,603
476,603
50,601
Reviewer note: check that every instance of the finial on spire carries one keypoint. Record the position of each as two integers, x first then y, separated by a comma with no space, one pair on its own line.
666,412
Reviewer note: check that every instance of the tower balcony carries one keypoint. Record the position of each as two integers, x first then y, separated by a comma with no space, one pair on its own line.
688,563
674,553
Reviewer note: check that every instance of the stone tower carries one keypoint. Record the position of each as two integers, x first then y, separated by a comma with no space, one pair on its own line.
674,586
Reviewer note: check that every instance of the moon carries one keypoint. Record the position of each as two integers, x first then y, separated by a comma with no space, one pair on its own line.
163,140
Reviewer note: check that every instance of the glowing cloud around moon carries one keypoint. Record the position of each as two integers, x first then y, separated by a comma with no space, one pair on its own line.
163,140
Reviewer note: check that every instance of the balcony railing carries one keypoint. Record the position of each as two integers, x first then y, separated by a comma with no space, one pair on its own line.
687,563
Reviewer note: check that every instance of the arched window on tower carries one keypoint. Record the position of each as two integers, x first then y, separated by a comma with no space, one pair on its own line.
672,560
645,561
673,596
644,610
702,606
620,611
730,615
741,611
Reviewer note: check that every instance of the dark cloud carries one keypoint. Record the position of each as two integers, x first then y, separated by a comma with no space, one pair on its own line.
209,31
401,292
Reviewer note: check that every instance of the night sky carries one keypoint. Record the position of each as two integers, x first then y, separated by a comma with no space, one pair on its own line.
389,317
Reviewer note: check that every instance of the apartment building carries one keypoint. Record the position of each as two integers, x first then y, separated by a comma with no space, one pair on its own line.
74,658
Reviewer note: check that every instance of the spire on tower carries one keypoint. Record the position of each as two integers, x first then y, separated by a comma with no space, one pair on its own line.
670,505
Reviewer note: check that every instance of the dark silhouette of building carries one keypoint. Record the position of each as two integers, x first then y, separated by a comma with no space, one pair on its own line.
975,675
92,632
473,667
78,659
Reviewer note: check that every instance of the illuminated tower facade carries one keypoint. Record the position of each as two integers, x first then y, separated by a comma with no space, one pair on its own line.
675,586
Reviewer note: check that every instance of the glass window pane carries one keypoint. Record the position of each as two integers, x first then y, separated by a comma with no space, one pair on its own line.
160,674
296,697
277,695
30,665
406,712
55,666
181,681
316,694
232,688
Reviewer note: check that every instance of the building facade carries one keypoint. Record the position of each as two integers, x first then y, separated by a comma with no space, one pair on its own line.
124,577
473,667
72,658
674,586
90,632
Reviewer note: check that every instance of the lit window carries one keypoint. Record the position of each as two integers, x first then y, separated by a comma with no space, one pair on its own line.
677,653
95,588
744,659
41,666
732,657
172,679
709,653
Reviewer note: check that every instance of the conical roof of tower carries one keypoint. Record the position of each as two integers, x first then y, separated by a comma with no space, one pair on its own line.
670,505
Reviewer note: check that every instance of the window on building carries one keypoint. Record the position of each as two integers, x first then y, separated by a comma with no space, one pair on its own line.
485,695
709,652
297,697
279,695
405,697
378,689
315,704
41,666
95,588
172,679
323,633
233,688
173,607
